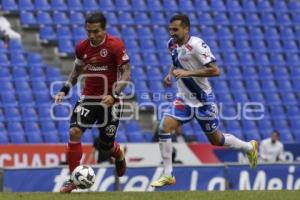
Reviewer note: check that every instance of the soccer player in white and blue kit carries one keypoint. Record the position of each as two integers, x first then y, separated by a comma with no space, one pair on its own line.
193,62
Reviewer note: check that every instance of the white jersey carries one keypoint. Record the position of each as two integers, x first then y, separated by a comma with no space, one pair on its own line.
193,55
271,152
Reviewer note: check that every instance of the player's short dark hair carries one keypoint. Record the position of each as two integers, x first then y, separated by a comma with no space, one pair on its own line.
184,19
276,132
96,17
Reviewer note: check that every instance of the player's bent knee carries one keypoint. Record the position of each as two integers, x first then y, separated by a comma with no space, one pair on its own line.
75,134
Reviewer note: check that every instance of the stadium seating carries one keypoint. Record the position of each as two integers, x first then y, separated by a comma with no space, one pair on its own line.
256,44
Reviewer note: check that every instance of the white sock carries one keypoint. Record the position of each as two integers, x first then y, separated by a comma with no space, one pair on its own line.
233,142
165,145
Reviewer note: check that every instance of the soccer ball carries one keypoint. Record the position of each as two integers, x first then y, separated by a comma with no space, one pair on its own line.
83,176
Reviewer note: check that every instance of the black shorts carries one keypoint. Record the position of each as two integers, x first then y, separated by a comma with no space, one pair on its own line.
90,113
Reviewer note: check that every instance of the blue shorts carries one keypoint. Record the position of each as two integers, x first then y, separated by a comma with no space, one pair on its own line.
206,115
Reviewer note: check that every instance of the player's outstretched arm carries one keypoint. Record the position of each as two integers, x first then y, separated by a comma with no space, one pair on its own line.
211,69
125,77
168,78
72,80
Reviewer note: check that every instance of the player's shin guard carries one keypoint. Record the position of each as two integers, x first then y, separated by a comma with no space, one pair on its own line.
74,154
165,144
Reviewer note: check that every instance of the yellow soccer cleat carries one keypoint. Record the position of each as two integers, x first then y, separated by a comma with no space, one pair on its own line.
164,180
253,154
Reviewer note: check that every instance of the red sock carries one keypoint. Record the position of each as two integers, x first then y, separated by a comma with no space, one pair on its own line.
74,154
117,153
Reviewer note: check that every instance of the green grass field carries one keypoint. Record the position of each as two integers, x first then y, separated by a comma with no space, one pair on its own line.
228,195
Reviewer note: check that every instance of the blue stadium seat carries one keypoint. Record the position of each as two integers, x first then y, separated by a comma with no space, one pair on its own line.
27,19
268,85
246,59
280,7
5,74
274,46
249,73
255,33
277,111
147,46
201,5
49,132
61,18
2,117
78,33
205,19
268,19
6,86
290,46
47,34
233,6
63,32
271,34
208,33
15,46
3,136
252,19
240,33
170,5
217,6
37,74
26,5
122,5
154,5
25,98
293,6
158,18
256,97
160,33
240,97
264,6
272,98
144,33
107,6
156,86
65,46
18,60
230,59
132,45
29,114
10,6
129,33
34,60
186,6
225,45
114,31
295,19
277,60
53,73
12,114
236,19
136,59
288,98
292,112
292,60
286,33
252,86
44,18
125,18
77,18
112,18
281,73
33,132
74,5
141,18
16,132
221,19
154,73
234,73
42,5
262,59
249,6
4,62
137,5
236,86
42,98
150,58
58,5
9,98
283,20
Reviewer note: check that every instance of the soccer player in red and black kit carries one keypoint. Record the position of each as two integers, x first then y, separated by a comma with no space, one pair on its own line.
103,61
